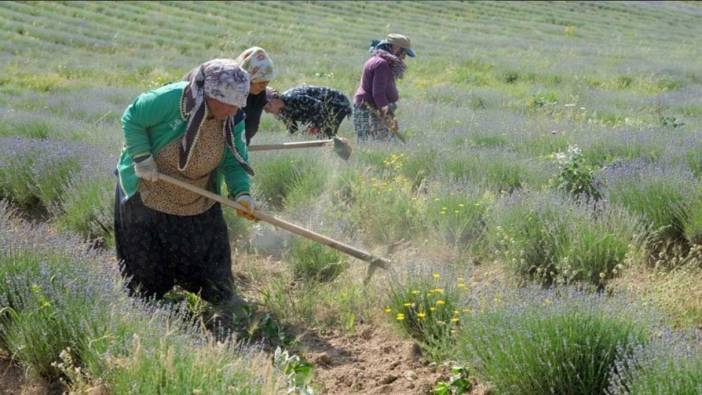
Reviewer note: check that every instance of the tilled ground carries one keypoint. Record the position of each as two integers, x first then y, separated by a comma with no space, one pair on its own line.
369,362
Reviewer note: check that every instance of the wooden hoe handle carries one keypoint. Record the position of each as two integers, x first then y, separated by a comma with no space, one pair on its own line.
290,227
301,144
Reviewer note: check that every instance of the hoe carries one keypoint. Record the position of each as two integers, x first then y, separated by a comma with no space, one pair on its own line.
374,261
341,146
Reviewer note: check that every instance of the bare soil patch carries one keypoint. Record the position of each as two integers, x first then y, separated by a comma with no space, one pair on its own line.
371,361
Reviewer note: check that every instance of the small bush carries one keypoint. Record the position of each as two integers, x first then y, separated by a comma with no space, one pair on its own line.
458,218
662,197
549,238
549,342
313,261
277,176
574,175
33,173
427,309
385,209
671,364
86,207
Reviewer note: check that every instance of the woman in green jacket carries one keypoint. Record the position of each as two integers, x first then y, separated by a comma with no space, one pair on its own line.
192,130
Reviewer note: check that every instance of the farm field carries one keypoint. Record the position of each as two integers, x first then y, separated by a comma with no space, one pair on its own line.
544,218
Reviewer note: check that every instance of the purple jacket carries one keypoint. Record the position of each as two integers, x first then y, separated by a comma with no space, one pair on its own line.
377,86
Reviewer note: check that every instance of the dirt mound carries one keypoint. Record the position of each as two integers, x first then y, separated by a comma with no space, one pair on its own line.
370,362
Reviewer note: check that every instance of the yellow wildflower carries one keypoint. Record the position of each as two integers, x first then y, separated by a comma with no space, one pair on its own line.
421,315
408,304
439,290
436,276
455,319
415,292
440,302
388,309
432,308
400,317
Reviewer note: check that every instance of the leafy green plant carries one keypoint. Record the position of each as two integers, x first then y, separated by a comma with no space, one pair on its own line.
458,383
574,175
298,373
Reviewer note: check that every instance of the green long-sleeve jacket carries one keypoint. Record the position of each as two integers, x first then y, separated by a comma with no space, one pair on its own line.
153,120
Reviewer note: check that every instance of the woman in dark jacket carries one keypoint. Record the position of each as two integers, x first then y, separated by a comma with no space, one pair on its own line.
320,109
376,97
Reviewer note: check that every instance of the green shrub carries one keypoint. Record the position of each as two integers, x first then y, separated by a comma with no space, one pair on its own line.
86,208
574,175
662,200
33,173
548,342
387,210
66,316
458,218
549,238
693,223
312,261
671,364
278,176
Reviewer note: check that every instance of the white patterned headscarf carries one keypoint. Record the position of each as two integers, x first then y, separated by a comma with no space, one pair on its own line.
257,63
220,79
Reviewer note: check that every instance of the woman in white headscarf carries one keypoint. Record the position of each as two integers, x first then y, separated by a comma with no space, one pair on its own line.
259,65
192,130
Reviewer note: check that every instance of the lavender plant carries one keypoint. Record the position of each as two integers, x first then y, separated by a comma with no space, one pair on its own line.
65,314
550,239
559,341
670,364
662,196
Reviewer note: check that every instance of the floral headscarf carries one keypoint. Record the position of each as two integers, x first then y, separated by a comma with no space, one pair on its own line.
257,63
219,79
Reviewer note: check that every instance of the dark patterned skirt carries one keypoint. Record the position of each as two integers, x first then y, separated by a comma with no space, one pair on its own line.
158,250
368,124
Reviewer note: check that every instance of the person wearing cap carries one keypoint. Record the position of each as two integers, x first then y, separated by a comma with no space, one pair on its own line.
191,130
321,109
259,65
376,98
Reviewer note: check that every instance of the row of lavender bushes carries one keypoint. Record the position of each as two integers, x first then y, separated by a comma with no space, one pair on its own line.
560,340
64,314
71,182
577,224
